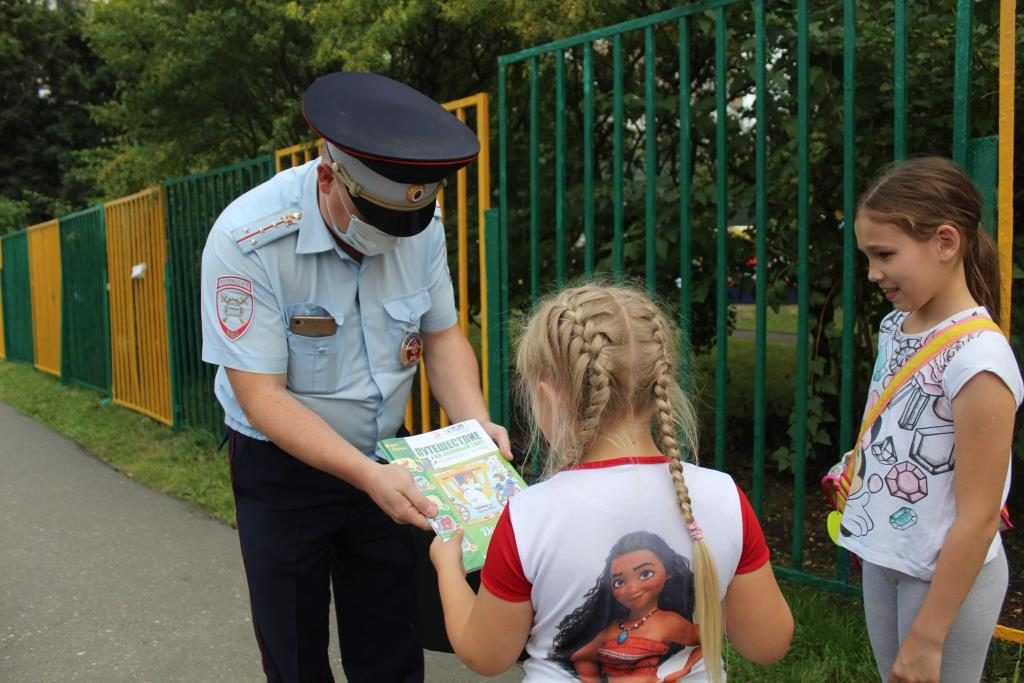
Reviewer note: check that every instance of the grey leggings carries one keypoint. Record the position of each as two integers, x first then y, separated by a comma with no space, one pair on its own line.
892,600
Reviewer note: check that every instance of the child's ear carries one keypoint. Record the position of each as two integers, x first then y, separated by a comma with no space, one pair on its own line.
948,240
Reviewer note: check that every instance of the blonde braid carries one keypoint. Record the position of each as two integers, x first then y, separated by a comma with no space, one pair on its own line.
594,363
582,352
708,607
590,372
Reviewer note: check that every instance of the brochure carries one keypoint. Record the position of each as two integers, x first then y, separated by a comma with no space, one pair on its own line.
460,470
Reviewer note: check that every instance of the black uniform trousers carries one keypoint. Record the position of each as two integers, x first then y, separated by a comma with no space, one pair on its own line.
301,528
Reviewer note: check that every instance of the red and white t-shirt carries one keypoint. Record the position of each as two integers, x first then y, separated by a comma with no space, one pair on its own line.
604,556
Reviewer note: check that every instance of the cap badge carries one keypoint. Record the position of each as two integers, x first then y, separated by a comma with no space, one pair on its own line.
411,350
415,193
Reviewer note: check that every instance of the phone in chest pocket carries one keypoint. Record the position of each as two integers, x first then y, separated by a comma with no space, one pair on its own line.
312,325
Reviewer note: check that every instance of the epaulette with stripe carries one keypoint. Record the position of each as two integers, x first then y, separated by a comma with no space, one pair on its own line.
265,230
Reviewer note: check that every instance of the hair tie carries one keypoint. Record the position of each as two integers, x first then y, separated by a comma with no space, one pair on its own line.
695,531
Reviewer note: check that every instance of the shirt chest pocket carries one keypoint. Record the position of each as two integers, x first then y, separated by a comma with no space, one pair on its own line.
315,364
403,326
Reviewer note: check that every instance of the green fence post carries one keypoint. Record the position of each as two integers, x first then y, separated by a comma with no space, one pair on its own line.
722,240
588,158
900,80
761,256
803,277
685,199
962,82
618,219
983,167
534,179
497,321
650,161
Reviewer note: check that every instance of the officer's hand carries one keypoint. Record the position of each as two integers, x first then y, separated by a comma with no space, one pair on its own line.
448,554
393,490
499,435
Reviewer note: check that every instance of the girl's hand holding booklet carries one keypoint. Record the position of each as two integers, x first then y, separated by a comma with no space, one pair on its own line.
460,469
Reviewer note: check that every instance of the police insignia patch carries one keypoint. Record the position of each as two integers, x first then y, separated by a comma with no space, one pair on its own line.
234,305
411,349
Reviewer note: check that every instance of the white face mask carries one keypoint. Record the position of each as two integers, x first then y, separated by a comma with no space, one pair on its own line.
362,236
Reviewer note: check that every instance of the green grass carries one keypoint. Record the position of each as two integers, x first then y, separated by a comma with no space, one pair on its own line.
830,643
783,320
780,364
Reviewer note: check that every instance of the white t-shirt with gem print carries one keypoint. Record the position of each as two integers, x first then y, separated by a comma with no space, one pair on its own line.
902,502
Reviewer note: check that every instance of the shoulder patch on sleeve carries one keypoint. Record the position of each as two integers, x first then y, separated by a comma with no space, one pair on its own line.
265,230
235,305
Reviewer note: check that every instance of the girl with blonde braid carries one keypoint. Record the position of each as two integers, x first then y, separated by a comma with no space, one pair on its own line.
597,370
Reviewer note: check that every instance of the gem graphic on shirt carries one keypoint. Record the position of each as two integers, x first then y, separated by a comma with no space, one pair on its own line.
903,519
884,452
916,400
235,305
411,349
943,409
907,481
874,483
932,448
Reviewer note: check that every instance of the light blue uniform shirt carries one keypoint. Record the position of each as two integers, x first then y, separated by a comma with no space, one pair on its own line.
269,256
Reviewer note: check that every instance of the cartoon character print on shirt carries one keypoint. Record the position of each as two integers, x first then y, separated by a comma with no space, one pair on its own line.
923,416
636,623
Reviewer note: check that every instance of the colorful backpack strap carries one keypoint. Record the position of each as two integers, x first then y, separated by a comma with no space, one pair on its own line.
926,354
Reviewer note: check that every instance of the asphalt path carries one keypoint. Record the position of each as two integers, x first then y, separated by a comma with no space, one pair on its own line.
104,580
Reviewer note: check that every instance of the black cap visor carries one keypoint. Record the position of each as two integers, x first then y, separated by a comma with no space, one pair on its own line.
397,223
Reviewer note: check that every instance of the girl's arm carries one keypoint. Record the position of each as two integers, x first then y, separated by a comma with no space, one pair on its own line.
585,658
983,415
681,630
486,632
757,617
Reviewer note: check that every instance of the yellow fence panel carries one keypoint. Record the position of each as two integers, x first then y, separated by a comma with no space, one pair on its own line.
477,107
3,347
136,263
296,155
45,278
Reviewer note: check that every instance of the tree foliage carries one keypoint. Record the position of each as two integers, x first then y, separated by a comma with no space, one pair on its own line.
49,79
102,99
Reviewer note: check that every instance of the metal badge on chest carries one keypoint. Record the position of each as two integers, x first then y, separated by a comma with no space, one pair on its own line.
411,350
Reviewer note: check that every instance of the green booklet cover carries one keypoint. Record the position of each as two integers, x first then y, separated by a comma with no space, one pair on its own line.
460,469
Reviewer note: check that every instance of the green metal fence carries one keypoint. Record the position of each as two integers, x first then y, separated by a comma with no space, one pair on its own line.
651,155
86,309
17,298
193,204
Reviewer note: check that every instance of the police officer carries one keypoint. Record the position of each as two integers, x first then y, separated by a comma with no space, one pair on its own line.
320,290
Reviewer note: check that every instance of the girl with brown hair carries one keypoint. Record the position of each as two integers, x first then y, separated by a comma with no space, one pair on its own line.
934,467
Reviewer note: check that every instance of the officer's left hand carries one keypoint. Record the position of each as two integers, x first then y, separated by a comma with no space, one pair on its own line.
393,490
499,435
448,554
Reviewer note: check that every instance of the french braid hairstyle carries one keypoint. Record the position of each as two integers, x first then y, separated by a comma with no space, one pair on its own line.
608,354
918,196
